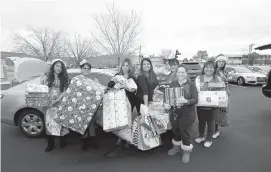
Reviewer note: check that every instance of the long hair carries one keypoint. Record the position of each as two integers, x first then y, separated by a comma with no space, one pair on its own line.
130,66
216,65
209,62
152,75
63,76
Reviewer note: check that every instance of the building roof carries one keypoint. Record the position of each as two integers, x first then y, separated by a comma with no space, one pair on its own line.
264,47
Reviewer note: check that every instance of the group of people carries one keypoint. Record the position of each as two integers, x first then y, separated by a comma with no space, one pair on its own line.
181,118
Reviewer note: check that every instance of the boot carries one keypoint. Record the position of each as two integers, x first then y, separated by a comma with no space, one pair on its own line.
93,142
186,153
63,141
176,147
84,144
50,143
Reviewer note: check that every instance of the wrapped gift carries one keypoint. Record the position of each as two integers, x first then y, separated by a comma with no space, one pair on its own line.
131,85
124,134
37,95
212,99
158,96
120,81
143,138
116,111
172,95
80,103
37,88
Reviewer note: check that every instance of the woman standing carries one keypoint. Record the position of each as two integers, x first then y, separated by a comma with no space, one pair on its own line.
206,114
126,70
147,84
90,136
222,117
185,115
57,80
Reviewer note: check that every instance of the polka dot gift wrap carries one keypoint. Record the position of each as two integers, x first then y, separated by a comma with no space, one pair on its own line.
80,103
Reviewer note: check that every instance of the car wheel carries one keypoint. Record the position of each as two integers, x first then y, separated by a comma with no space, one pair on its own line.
240,81
31,123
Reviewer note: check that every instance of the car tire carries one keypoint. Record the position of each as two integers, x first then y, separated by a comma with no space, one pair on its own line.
31,123
241,81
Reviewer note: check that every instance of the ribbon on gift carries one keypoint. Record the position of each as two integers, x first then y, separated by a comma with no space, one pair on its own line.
37,88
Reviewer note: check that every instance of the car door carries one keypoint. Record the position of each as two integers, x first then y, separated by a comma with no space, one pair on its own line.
230,72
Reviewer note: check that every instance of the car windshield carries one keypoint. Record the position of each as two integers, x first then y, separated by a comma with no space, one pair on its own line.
243,70
265,68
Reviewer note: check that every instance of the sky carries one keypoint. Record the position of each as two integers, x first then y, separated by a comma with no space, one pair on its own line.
218,26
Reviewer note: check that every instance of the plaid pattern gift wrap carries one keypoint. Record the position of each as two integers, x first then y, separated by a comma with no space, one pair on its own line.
37,95
80,103
116,111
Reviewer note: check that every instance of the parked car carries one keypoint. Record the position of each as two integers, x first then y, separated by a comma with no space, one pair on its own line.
242,75
30,119
194,69
260,69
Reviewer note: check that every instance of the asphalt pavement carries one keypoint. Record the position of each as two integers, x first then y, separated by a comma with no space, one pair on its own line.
242,147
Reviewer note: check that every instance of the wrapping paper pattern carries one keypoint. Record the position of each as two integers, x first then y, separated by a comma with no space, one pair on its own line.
52,127
213,99
37,99
80,103
143,138
131,85
37,88
116,111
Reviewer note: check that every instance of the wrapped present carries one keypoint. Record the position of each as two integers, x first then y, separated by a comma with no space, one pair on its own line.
37,88
212,99
120,81
131,85
172,95
80,103
116,111
37,99
158,96
143,138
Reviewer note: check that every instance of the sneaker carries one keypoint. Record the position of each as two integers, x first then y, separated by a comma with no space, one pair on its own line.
200,139
207,144
216,134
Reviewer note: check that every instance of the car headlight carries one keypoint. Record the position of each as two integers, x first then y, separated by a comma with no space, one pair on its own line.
250,77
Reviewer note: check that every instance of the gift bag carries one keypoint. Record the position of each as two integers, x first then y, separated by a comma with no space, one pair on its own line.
131,85
143,138
212,99
116,111
80,103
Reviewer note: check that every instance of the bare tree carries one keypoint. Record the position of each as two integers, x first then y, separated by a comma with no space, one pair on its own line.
166,53
41,43
117,32
79,48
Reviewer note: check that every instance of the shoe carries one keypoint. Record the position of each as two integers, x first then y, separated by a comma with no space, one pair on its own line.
49,149
208,144
199,139
216,134
50,143
176,148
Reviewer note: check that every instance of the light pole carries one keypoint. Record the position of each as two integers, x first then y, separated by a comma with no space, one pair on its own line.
250,51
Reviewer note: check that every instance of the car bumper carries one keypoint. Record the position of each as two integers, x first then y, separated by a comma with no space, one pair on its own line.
255,82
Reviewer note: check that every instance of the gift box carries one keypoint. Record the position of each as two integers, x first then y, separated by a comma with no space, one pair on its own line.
80,103
37,88
144,138
116,111
40,100
158,96
212,99
172,95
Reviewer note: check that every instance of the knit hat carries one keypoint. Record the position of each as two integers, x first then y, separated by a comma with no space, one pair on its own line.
55,60
221,57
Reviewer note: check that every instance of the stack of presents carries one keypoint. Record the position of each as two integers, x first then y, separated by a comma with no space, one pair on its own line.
84,97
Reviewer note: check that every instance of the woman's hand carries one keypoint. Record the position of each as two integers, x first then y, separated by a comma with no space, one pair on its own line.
182,100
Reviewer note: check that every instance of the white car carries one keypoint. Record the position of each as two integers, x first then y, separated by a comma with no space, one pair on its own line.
242,75
14,110
260,69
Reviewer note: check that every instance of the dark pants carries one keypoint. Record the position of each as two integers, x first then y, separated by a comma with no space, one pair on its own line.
181,126
207,117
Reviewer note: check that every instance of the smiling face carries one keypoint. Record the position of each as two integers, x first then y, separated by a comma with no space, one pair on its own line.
85,70
58,68
125,67
181,73
146,66
209,69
